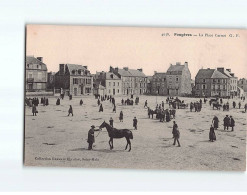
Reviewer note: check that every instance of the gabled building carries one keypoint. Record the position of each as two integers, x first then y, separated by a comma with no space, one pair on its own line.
159,84
211,83
74,79
233,81
111,82
242,83
36,74
178,80
134,82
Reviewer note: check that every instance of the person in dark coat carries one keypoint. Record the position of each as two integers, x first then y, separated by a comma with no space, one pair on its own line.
111,121
114,108
175,126
234,104
226,122
122,101
70,111
212,135
34,110
101,108
191,106
90,138
215,122
58,102
121,116
98,102
239,105
232,123
146,104
135,123
168,116
81,102
245,107
46,102
176,136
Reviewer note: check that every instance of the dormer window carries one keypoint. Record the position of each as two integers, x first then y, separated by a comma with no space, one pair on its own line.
112,76
73,71
79,72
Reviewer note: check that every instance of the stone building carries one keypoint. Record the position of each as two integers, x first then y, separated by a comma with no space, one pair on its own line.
111,82
134,82
74,79
51,80
159,84
178,80
242,83
211,83
233,81
36,74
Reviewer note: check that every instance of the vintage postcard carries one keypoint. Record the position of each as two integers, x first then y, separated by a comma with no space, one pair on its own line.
135,97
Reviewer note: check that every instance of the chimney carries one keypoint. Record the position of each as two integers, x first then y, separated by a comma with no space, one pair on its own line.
221,69
111,69
126,68
85,67
116,69
155,72
140,69
186,64
178,63
40,59
61,69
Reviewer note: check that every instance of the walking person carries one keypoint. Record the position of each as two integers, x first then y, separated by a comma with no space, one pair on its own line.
81,102
111,121
146,104
34,110
226,122
232,123
70,111
212,135
175,126
176,136
239,105
135,123
114,108
101,108
215,122
90,138
121,116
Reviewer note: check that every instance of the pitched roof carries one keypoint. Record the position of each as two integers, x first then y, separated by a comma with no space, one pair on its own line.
160,75
210,73
124,73
33,60
176,68
136,73
75,67
113,77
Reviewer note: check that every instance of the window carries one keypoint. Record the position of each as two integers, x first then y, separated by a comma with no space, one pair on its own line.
176,79
39,75
30,76
218,80
118,91
109,84
75,81
117,83
39,85
203,87
109,91
113,83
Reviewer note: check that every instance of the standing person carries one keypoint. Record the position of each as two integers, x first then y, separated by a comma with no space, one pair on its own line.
81,102
146,104
114,108
239,105
234,104
191,106
226,122
46,102
168,116
121,116
70,111
232,123
98,102
135,123
34,110
212,135
90,138
163,104
122,101
111,121
176,136
101,108
245,107
58,102
215,122
175,126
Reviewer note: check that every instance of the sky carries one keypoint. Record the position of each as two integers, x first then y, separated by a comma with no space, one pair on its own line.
100,47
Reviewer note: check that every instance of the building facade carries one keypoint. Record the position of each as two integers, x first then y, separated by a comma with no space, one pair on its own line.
242,83
50,80
111,82
134,82
74,79
36,74
233,81
211,83
159,84
178,80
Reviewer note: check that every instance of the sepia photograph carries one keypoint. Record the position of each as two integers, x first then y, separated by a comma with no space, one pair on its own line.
135,97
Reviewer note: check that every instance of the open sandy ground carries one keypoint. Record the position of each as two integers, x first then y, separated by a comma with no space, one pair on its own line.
54,139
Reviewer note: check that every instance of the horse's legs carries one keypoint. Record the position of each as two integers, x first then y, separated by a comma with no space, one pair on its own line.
129,144
111,143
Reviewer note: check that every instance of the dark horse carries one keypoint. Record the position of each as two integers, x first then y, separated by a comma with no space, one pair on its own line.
117,133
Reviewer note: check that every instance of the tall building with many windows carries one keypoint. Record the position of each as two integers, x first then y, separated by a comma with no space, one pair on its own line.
74,79
159,84
36,74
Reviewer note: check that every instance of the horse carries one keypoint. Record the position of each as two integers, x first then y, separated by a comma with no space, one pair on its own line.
217,106
117,133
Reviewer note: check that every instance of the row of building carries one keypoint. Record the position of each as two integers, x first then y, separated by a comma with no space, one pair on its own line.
77,80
